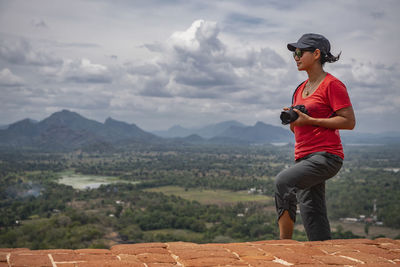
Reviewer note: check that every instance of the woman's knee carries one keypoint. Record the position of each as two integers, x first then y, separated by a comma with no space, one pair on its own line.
283,179
278,182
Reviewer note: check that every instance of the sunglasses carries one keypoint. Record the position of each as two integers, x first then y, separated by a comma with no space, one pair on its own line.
299,52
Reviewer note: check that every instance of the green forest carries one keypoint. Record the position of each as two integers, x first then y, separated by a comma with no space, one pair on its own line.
38,212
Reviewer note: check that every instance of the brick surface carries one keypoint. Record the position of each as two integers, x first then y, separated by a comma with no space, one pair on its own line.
381,252
195,254
162,265
215,261
3,256
108,264
66,265
13,249
30,260
364,257
93,251
156,258
333,260
136,249
295,258
246,250
262,263
82,257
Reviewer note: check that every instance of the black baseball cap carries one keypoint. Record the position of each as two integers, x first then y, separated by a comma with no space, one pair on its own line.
311,40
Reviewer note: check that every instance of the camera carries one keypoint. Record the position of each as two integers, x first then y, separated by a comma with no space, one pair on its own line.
288,116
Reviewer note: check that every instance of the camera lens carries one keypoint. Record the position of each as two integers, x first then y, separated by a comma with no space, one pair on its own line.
285,117
288,116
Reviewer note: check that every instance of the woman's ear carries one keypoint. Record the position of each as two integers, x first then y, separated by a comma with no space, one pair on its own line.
317,54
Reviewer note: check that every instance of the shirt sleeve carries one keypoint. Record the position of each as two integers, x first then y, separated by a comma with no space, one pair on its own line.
338,96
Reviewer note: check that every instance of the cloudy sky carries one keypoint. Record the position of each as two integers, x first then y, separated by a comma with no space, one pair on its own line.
159,63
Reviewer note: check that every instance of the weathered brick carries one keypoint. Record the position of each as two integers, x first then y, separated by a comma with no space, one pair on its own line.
195,254
155,258
44,252
204,262
391,246
190,246
333,260
128,258
269,257
66,265
348,241
109,264
82,257
263,263
306,250
277,242
3,256
364,257
271,249
380,265
385,240
13,249
244,250
92,251
176,245
295,258
30,260
162,265
330,248
159,248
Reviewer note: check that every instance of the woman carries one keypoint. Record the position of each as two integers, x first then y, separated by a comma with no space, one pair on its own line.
318,148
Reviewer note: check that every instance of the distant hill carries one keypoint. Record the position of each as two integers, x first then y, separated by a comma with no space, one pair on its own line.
66,130
218,129
3,127
175,131
259,133
207,131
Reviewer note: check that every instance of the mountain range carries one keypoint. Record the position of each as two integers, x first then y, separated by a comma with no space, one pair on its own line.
68,131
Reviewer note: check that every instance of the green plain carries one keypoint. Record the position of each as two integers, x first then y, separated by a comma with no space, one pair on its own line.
208,196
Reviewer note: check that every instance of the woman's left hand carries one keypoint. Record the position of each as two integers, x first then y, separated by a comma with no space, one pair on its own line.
302,120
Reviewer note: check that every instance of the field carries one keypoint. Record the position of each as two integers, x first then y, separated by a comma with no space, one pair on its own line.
218,196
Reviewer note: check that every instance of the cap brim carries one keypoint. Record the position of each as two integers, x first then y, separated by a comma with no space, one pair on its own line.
293,46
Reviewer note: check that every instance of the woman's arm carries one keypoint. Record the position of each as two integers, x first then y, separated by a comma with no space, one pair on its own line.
344,119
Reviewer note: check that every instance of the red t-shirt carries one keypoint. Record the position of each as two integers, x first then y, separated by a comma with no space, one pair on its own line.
330,96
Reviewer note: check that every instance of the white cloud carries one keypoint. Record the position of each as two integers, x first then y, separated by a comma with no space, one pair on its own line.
21,52
7,78
84,71
195,63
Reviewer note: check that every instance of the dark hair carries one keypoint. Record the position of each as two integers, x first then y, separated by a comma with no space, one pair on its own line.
329,58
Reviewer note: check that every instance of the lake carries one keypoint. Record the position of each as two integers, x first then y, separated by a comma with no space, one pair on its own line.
82,181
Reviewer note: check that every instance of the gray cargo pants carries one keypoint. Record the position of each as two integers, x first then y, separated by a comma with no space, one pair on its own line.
306,179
